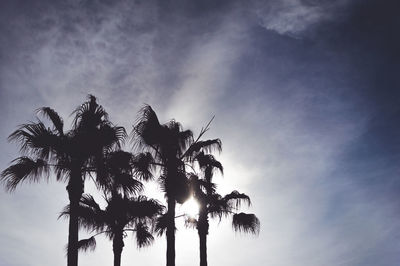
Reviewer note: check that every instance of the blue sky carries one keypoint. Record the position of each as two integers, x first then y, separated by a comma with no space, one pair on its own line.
306,100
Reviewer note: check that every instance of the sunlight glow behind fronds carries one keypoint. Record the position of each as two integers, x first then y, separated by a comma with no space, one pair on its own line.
190,207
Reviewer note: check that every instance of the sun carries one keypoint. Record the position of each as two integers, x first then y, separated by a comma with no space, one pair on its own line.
190,207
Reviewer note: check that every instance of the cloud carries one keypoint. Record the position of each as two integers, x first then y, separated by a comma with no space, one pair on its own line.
293,17
289,113
69,52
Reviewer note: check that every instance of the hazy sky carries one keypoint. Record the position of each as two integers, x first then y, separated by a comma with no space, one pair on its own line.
307,102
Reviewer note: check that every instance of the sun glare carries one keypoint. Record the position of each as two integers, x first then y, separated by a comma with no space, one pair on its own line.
190,207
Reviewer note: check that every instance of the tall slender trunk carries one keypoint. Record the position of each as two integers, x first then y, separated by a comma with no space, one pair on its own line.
72,259
203,248
75,191
118,245
171,233
171,185
202,229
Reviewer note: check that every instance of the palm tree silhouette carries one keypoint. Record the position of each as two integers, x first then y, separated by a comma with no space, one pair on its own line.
171,147
123,212
121,215
71,155
214,205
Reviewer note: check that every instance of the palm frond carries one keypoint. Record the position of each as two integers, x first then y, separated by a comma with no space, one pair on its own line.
111,136
57,121
102,171
62,170
177,186
90,216
126,183
87,244
247,223
237,198
208,187
36,139
120,134
207,146
185,139
143,165
191,222
208,161
114,173
218,209
24,168
89,201
119,159
141,207
89,219
198,187
147,128
65,212
162,224
217,206
89,113
143,235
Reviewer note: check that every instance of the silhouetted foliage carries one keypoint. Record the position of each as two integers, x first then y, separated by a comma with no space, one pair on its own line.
87,244
71,155
92,148
214,205
171,147
24,168
124,212
247,223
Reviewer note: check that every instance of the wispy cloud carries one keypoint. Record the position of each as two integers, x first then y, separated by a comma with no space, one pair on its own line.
289,113
293,17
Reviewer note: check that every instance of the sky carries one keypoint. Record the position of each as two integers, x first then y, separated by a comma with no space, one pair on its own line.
306,100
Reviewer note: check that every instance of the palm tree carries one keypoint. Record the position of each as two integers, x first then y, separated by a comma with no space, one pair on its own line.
121,215
123,212
214,205
71,155
171,147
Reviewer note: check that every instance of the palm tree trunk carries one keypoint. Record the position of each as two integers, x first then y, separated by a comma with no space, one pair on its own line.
202,229
203,248
118,245
75,191
72,259
171,233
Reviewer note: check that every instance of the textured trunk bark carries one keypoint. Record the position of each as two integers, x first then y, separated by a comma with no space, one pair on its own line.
75,190
118,245
171,233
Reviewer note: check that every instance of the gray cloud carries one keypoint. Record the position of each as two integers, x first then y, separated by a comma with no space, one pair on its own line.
293,17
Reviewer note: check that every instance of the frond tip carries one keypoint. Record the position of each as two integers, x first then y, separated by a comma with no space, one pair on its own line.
191,223
143,236
87,244
161,224
24,168
57,121
246,223
206,146
237,198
